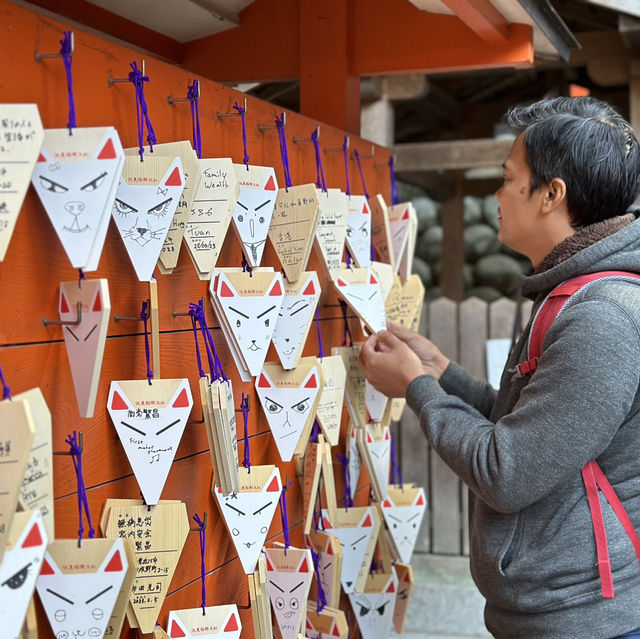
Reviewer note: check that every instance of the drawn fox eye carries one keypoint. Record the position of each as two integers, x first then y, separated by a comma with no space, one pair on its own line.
349,231
294,603
160,209
273,407
261,220
240,218
52,186
279,603
266,322
380,609
95,183
365,232
301,407
364,611
122,208
238,323
15,581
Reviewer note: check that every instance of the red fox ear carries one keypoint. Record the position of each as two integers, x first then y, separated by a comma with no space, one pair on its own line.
270,185
419,501
115,563
97,304
176,631
313,381
117,403
232,624
64,305
226,291
276,289
264,382
108,151
304,566
310,289
182,401
34,538
175,179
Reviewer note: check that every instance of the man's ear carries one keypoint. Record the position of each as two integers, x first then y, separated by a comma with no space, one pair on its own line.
555,194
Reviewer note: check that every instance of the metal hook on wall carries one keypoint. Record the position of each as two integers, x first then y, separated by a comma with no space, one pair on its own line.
46,56
122,318
338,148
264,127
75,322
296,140
68,452
231,114
172,100
113,80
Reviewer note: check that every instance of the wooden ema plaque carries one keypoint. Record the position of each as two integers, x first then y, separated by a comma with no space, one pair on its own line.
381,231
374,605
404,573
257,191
210,214
22,136
329,411
16,436
85,341
312,470
289,400
159,535
358,237
403,511
331,231
329,622
293,227
150,420
354,384
374,441
213,621
171,247
78,585
330,558
249,512
36,492
360,289
24,551
289,574
146,201
259,598
76,177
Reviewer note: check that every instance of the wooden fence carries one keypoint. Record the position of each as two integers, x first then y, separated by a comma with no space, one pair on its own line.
460,329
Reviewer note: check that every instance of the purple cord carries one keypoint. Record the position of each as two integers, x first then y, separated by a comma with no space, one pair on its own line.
322,598
142,112
81,276
199,317
285,520
6,391
83,501
219,371
192,95
245,266
395,194
241,110
320,182
347,330
65,52
320,348
200,523
143,316
345,151
348,501
195,336
244,407
283,150
364,186
314,432
396,473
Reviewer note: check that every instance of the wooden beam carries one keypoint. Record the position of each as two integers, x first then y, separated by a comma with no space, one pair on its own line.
624,6
482,18
454,155
106,22
329,92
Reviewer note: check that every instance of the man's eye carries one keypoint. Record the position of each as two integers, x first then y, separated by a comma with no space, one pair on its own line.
94,184
122,208
52,186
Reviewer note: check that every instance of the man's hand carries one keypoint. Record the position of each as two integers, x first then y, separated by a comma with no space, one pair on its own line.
389,364
433,361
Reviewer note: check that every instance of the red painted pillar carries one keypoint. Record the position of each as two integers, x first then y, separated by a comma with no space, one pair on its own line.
328,91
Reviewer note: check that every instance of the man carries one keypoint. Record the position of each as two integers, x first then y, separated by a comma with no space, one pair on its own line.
572,173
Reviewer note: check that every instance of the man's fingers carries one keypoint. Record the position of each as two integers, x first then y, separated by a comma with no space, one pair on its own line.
368,350
387,338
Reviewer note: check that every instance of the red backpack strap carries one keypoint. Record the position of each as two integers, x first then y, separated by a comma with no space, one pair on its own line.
552,306
592,474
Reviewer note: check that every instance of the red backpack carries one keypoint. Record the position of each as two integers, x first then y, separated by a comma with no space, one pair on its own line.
592,474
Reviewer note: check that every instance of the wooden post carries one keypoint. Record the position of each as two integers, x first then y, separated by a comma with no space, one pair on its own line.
452,259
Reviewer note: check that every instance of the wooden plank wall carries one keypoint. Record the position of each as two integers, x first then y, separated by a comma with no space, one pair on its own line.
32,356
460,330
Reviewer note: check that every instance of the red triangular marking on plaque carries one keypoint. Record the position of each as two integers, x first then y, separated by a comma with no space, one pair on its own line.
182,401
97,304
386,434
329,550
365,209
41,158
335,632
327,523
232,624
309,626
313,382
34,538
108,151
270,185
274,487
117,403
305,566
270,567
387,504
47,569
176,630
369,438
64,305
263,382
277,289
373,280
406,577
367,522
405,215
225,291
175,179
391,588
310,290
419,501
115,564
341,282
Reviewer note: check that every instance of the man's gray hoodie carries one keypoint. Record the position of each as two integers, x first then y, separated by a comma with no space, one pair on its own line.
520,450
